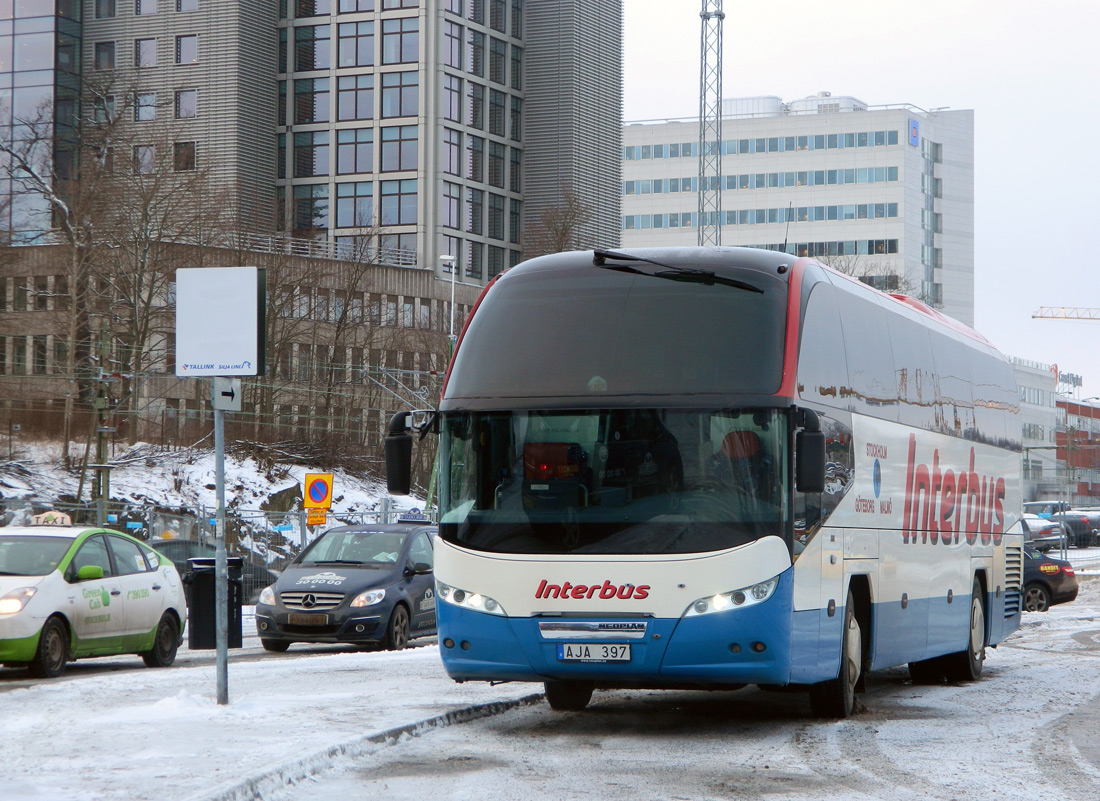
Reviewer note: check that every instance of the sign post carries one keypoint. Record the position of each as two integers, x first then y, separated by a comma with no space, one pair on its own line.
317,498
220,322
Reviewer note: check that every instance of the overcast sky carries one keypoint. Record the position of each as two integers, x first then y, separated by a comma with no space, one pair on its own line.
1027,69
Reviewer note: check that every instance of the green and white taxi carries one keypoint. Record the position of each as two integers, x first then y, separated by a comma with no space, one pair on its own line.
69,592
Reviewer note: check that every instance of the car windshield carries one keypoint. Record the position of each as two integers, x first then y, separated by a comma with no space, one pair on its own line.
355,548
29,555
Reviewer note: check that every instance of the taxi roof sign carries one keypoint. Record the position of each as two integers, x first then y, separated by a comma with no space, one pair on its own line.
317,491
51,518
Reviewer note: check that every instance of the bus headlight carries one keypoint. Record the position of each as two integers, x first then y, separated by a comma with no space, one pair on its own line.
468,600
738,599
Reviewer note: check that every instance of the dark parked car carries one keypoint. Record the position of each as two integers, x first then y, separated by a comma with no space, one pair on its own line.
255,575
1047,581
1080,526
364,584
1043,533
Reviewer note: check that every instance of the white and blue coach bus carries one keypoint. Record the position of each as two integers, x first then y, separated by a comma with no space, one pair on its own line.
714,467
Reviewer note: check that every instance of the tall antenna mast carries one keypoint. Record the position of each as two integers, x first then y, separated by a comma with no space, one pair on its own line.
710,124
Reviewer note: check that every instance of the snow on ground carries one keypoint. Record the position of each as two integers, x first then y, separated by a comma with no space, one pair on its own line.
158,734
146,474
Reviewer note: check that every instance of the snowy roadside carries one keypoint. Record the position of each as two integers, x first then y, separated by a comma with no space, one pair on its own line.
158,734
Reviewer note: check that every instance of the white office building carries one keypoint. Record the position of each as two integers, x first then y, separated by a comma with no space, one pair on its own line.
882,192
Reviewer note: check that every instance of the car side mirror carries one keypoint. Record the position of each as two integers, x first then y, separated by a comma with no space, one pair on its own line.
89,572
420,569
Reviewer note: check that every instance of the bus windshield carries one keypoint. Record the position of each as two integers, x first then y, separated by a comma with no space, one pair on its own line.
613,481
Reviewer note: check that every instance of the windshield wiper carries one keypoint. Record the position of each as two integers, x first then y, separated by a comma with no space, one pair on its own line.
686,274
338,562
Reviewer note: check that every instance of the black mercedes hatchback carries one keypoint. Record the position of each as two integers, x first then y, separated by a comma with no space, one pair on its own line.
363,584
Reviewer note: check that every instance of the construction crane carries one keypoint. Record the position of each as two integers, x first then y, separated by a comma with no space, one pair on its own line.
710,124
1067,313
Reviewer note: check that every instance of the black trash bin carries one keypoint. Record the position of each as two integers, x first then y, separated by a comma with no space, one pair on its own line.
198,586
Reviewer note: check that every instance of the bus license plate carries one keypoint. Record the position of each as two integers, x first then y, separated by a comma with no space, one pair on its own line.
593,652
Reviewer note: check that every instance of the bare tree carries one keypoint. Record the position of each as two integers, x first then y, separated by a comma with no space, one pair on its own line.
883,275
559,227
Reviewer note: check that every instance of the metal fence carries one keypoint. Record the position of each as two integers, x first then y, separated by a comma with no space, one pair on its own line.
271,536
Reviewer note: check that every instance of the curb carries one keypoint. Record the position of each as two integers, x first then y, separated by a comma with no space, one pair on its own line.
286,776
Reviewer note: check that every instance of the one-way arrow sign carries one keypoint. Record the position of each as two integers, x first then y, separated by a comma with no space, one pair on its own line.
225,394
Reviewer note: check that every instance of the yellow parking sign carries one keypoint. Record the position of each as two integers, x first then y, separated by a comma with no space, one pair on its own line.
317,491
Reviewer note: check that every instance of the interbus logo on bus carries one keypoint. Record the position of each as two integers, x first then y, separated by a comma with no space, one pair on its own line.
605,591
942,506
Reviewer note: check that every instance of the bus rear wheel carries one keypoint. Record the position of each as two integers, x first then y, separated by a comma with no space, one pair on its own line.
967,664
568,696
836,698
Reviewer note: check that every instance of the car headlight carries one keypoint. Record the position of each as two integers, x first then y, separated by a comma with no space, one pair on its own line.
267,596
738,599
469,600
15,600
368,598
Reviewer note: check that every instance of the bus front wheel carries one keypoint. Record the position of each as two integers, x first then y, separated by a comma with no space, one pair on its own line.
836,698
568,696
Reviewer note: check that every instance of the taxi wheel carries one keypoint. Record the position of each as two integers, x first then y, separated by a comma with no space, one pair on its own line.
397,633
165,644
52,655
1036,598
277,646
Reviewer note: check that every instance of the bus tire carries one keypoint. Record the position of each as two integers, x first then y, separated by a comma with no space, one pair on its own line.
966,665
836,698
568,696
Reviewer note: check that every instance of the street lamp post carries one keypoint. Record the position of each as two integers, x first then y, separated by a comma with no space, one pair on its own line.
449,261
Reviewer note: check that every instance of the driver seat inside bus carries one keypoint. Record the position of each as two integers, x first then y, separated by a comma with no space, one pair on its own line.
747,461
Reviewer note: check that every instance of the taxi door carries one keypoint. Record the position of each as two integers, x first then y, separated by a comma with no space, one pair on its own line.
421,588
95,606
141,587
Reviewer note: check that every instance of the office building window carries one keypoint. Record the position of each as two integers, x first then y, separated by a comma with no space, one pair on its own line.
497,12
144,159
400,94
515,220
311,154
475,211
187,49
475,105
496,164
145,7
356,45
399,148
187,5
475,54
355,205
400,40
312,8
311,100
476,11
145,53
517,68
515,130
496,260
452,45
498,54
496,216
496,112
354,150
515,177
355,6
452,200
310,211
355,97
452,98
475,158
312,47
451,155
104,9
145,107
399,202
184,157
104,55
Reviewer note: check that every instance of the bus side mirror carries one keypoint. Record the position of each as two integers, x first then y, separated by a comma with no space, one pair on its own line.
810,461
399,455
